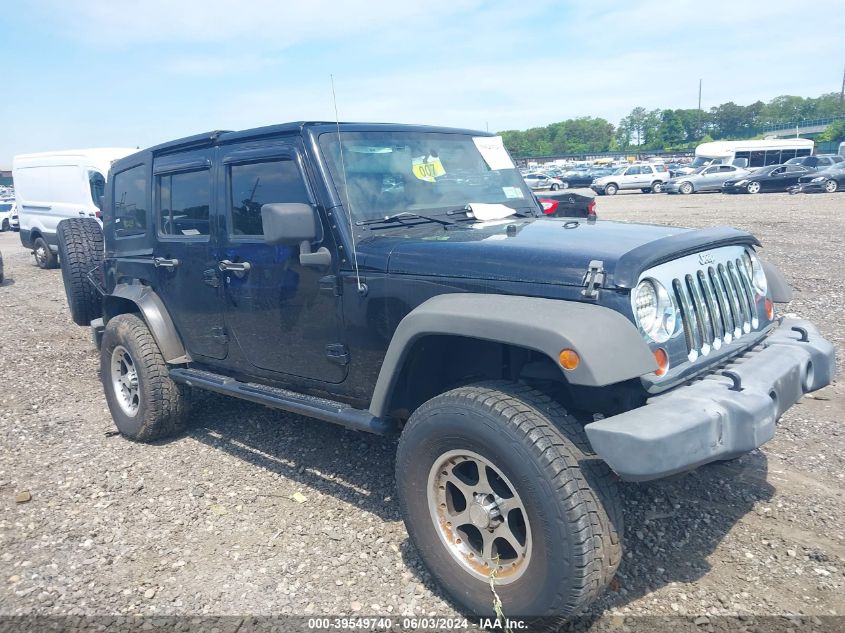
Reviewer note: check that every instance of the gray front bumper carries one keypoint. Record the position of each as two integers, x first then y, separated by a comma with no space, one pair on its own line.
721,415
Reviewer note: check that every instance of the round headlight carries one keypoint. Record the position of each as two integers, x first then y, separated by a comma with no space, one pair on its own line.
756,273
654,310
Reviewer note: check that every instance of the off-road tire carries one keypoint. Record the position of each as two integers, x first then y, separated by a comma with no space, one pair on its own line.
164,405
570,497
80,243
44,257
610,189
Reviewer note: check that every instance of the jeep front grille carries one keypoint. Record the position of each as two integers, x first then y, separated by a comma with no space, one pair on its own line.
717,305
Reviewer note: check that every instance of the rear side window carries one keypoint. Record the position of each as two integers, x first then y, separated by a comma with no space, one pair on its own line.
183,202
130,202
255,184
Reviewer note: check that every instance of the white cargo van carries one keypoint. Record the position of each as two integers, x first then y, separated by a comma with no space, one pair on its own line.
52,186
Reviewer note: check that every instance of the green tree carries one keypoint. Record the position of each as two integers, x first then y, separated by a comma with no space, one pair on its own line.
833,132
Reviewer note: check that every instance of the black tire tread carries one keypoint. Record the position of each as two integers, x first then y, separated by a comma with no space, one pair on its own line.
167,403
80,242
584,485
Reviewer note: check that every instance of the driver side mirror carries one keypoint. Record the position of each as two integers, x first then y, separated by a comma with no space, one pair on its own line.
291,223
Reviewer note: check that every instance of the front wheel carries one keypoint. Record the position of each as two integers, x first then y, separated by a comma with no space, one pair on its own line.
685,188
564,185
831,186
497,485
611,189
145,403
5,226
555,187
753,187
44,257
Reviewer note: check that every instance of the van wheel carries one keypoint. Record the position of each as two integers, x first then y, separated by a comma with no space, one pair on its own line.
145,403
81,251
611,189
44,257
497,484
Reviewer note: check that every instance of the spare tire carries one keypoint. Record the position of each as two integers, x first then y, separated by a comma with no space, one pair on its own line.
80,242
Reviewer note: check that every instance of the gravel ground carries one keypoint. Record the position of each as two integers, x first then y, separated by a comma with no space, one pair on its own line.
209,523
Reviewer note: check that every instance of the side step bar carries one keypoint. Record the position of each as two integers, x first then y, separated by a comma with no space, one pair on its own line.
311,406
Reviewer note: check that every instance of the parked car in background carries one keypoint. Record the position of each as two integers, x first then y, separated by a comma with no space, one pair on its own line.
576,178
7,210
568,205
647,177
52,186
709,178
819,161
766,179
828,180
542,181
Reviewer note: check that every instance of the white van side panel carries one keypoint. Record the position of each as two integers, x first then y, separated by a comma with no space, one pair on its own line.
53,186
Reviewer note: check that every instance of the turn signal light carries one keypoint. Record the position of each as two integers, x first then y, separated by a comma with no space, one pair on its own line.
569,359
662,360
770,309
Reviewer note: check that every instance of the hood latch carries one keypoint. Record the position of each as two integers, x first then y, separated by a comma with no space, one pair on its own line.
593,279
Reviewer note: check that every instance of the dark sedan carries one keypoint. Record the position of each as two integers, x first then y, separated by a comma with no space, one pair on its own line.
576,178
829,180
767,179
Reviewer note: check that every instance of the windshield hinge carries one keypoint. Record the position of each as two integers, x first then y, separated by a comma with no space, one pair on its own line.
593,279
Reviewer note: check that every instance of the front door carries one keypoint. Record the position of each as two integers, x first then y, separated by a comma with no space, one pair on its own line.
285,317
186,251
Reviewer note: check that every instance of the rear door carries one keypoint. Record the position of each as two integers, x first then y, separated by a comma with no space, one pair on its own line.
285,317
185,252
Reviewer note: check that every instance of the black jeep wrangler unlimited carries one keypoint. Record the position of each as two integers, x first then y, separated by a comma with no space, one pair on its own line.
403,279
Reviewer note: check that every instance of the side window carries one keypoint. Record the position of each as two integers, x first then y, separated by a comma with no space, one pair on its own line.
130,202
255,184
633,171
726,168
183,203
97,185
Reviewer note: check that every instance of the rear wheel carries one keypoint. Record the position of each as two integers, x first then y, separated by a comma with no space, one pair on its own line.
497,485
685,188
656,187
753,187
5,226
44,257
145,403
611,189
81,250
831,186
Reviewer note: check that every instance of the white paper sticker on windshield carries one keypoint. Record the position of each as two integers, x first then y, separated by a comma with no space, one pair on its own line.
512,192
493,151
485,211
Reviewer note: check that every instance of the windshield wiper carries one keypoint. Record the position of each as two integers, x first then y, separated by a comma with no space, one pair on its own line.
398,217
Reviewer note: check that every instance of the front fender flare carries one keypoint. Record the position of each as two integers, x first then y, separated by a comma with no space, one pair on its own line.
157,319
610,347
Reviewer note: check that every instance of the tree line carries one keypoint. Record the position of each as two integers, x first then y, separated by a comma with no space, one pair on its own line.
678,129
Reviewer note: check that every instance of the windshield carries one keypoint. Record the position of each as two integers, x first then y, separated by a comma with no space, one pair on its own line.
408,170
619,171
701,161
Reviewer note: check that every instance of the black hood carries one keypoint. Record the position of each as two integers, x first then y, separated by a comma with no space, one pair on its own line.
546,250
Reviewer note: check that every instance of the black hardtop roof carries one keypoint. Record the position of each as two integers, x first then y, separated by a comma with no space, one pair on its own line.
221,137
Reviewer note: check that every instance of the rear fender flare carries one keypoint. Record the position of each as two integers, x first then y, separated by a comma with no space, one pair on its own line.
610,347
156,317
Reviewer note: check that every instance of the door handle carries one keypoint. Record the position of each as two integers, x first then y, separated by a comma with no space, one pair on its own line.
162,262
239,268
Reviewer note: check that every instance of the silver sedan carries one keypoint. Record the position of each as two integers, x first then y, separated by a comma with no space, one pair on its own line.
704,179
542,181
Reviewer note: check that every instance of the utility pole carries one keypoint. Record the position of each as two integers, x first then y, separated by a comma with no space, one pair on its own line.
699,106
842,94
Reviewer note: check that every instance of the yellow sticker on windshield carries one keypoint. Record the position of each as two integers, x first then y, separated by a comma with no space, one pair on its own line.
428,168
